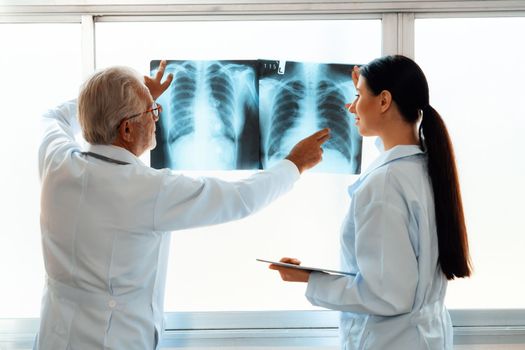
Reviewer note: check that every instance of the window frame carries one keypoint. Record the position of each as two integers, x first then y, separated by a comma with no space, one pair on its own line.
271,328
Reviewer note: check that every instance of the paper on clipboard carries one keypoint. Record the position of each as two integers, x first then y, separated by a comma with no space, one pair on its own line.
300,267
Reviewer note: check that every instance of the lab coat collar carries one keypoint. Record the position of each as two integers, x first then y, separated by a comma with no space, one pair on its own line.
115,152
397,152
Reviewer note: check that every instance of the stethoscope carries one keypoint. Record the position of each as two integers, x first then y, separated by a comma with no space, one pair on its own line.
104,158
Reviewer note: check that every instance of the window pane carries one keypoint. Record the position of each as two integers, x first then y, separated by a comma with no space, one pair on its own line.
40,67
214,268
476,68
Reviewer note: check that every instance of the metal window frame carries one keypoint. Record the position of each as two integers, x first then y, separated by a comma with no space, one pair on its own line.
320,328
273,328
244,7
287,328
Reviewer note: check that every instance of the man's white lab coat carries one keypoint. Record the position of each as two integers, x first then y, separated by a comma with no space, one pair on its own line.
104,235
389,239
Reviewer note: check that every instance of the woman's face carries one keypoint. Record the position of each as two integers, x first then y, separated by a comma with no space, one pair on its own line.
367,110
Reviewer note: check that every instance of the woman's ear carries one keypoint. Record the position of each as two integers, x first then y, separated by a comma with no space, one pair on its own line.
385,100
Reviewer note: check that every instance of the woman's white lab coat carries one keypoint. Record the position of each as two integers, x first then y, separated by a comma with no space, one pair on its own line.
389,239
104,236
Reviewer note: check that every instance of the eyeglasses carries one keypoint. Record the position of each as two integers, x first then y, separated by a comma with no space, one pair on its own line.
156,109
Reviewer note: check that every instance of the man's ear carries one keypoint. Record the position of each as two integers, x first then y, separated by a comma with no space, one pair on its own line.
385,100
124,131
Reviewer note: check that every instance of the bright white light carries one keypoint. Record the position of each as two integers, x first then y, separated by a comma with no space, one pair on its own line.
476,69
39,68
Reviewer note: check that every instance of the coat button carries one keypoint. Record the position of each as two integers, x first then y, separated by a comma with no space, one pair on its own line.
112,303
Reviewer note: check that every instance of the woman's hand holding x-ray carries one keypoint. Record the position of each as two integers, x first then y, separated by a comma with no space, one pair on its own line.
307,153
355,75
156,88
289,274
355,79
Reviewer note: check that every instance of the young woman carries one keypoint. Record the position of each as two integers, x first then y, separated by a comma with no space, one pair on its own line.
405,234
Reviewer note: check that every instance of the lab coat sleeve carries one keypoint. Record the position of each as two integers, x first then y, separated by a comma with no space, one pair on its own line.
387,278
185,202
59,126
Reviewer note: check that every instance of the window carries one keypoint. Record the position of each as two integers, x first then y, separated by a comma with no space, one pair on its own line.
40,68
476,83
305,223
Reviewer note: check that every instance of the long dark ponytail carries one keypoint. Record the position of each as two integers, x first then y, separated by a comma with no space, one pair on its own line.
405,80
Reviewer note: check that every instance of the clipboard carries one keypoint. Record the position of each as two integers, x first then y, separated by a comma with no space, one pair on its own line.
300,267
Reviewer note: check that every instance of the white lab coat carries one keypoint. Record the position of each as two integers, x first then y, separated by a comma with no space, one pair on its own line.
104,235
389,239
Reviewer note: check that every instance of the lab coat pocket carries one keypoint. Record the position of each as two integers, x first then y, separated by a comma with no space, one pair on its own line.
364,333
354,331
55,332
365,341
65,312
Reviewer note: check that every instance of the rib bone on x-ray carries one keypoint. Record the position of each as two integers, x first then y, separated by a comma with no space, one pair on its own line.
297,99
210,116
225,115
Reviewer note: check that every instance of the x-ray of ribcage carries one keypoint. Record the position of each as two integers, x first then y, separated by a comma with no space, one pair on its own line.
297,99
210,116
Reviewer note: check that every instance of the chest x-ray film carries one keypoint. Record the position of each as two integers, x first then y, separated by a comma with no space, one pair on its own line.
210,116
297,99
227,115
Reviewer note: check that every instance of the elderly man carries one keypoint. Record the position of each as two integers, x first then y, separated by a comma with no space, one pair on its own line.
105,215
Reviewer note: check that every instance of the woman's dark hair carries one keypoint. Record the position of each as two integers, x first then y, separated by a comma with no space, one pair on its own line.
407,84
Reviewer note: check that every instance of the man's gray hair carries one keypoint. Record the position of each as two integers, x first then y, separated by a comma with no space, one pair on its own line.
105,99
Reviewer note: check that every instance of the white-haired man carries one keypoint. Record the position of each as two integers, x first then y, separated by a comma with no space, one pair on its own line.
105,215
